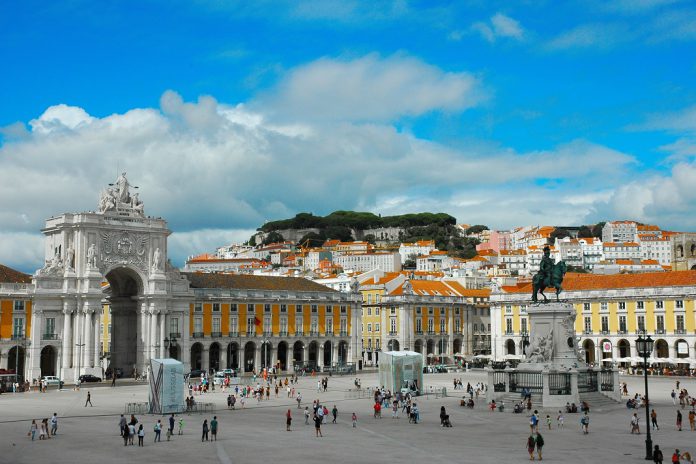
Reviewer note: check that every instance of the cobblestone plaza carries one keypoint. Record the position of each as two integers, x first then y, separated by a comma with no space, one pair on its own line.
257,433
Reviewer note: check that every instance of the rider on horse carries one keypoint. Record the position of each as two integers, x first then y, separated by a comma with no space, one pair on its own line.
549,275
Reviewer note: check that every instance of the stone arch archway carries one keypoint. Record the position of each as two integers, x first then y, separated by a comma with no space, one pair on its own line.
48,361
16,360
589,347
393,345
342,353
249,356
233,355
298,352
624,348
418,346
510,346
457,346
661,348
313,354
196,356
214,357
684,346
328,353
282,355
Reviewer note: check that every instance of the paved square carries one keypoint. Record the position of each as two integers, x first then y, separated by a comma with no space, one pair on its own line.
257,433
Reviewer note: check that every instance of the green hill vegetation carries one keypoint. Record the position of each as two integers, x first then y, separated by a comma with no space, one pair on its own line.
358,220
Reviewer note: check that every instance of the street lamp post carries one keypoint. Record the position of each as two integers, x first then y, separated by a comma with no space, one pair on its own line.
645,347
79,345
169,342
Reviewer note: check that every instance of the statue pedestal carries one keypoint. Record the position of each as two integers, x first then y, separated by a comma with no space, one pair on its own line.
553,371
552,343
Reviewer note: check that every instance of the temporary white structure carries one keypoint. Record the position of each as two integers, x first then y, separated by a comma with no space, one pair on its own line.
401,369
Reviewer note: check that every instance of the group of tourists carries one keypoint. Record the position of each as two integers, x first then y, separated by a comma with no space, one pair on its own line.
46,429
131,428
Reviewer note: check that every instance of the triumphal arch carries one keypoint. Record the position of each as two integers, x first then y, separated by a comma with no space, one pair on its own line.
114,258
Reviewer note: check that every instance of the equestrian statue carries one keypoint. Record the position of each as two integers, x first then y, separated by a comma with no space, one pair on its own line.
549,275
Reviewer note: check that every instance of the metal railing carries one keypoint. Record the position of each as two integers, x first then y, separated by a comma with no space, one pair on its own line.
174,335
606,380
216,334
343,333
532,381
587,381
49,336
559,383
197,335
499,379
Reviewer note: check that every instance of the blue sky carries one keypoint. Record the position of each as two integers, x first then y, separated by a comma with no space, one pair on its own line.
231,113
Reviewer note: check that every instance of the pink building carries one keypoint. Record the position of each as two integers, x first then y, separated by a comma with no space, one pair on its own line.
499,240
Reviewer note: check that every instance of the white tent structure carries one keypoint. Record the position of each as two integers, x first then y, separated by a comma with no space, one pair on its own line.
401,369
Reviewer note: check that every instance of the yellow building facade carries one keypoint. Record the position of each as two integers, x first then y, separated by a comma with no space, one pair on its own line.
612,310
15,319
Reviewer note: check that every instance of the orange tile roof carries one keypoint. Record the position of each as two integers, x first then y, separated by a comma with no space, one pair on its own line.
576,282
9,275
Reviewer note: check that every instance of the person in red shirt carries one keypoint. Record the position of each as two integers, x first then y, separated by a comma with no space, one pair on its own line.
378,410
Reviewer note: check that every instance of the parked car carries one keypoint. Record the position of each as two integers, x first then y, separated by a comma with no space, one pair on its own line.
195,373
89,378
51,380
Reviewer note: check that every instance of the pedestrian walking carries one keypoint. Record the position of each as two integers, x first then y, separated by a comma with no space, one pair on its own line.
214,428
548,421
288,420
692,420
334,413
89,400
181,426
560,419
306,415
539,444
125,433
674,398
158,431
204,437
42,430
171,426
676,457
679,420
653,420
686,456
131,434
32,429
585,423
657,455
113,378
141,435
531,444
123,425
317,425
354,418
299,401
54,424
635,427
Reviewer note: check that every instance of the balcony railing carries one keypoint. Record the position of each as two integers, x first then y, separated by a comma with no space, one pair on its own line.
18,337
251,333
419,332
660,331
197,335
174,335
313,333
299,333
586,332
392,333
622,332
343,333
679,331
216,334
49,337
283,333
508,332
431,332
268,333
234,334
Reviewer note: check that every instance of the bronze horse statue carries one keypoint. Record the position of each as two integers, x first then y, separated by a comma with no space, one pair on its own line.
553,279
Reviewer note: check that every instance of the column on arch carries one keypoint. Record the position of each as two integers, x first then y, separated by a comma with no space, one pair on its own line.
154,313
67,342
87,335
162,334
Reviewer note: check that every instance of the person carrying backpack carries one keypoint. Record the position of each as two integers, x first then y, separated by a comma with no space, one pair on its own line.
657,455
585,422
539,444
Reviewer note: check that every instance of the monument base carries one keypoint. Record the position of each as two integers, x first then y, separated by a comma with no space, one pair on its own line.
554,371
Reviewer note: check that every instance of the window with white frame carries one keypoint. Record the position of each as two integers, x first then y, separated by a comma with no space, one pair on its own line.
680,323
283,308
392,310
622,306
198,324
329,326
588,324
640,305
679,304
51,326
392,325
19,305
659,304
604,306
605,323
315,309
508,309
376,311
284,325
298,308
173,325
442,326
329,309
299,325
418,310
622,324
660,323
369,327
250,308
419,325
198,307
376,326
216,324
369,311
267,308
586,307
431,325
640,323
233,308
523,325
267,324
234,327
523,309
508,326
343,310
216,307
251,325
344,325
458,325
18,327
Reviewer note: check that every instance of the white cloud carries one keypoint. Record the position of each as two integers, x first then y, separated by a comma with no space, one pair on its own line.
683,121
591,35
370,88
498,26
